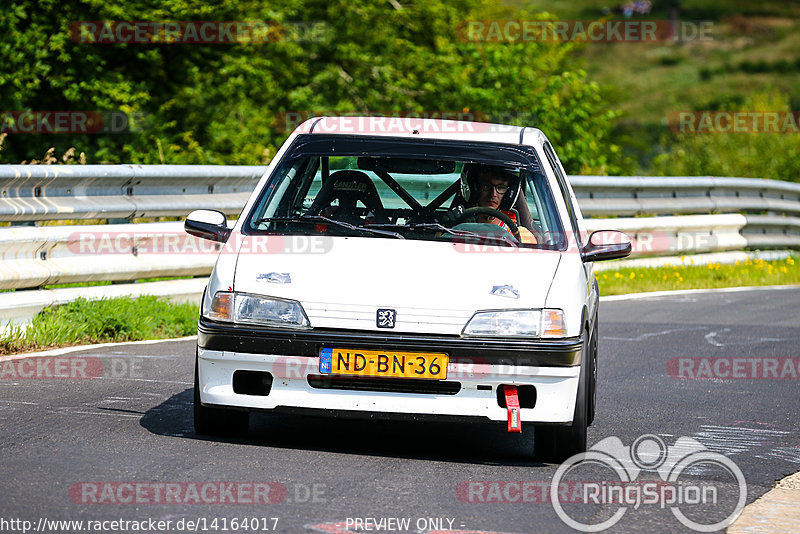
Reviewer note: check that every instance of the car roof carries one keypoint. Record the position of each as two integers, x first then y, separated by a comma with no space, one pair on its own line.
419,128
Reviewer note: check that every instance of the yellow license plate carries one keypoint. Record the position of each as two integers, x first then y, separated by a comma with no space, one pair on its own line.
382,363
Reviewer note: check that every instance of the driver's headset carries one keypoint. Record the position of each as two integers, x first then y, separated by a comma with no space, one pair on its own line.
470,184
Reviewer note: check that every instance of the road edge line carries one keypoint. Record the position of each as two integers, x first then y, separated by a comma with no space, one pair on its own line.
633,296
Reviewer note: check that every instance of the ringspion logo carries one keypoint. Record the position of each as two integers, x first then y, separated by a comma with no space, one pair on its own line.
699,502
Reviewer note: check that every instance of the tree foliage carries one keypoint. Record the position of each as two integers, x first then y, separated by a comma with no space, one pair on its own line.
726,153
227,103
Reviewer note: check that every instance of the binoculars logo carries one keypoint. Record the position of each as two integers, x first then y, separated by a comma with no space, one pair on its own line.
682,486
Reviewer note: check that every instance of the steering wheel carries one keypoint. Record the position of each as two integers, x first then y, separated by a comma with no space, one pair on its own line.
474,213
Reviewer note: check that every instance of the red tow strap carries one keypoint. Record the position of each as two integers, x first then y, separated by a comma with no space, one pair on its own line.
512,403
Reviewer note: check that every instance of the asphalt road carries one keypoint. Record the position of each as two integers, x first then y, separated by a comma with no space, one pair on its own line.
66,443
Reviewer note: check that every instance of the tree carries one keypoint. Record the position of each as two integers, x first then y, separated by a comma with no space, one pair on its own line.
228,103
727,152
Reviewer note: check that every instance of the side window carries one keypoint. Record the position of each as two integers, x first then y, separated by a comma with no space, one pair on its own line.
562,186
542,207
532,198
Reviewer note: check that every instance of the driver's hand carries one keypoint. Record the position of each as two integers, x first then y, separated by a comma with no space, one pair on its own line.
448,218
526,236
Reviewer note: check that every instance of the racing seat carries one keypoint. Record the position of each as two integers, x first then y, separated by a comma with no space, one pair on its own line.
521,207
348,187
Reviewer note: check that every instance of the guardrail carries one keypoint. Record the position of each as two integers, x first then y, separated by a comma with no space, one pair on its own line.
660,195
49,255
663,215
58,192
52,192
769,208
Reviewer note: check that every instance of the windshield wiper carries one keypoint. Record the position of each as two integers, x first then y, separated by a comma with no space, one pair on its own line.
457,233
320,218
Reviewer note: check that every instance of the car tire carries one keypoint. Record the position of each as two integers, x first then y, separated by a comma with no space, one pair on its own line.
591,397
216,421
559,442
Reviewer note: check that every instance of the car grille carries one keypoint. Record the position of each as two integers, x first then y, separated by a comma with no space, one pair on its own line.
363,317
402,385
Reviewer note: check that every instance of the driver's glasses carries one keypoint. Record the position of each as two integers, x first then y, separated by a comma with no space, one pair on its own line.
501,189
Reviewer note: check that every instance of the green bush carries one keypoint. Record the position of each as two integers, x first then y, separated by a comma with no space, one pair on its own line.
669,61
755,155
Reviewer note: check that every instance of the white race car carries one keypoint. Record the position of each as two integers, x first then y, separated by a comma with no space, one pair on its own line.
411,269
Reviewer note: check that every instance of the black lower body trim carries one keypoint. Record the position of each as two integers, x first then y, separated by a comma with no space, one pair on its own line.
379,416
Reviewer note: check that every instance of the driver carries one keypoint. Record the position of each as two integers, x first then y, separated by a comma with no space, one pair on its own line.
492,185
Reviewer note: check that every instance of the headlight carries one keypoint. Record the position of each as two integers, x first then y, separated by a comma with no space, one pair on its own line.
516,323
270,311
257,309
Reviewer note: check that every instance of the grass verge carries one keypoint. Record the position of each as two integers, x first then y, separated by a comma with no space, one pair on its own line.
741,274
96,321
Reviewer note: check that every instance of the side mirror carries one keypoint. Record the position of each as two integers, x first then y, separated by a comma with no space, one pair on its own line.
207,224
606,245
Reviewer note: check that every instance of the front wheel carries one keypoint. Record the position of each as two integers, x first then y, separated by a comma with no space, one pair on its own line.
216,421
591,399
558,443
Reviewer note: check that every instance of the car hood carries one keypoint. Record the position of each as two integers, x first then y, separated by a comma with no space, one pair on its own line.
434,287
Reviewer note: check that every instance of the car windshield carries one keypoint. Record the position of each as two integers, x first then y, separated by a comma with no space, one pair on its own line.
409,190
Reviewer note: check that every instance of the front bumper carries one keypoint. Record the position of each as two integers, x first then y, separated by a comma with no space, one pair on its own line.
476,370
